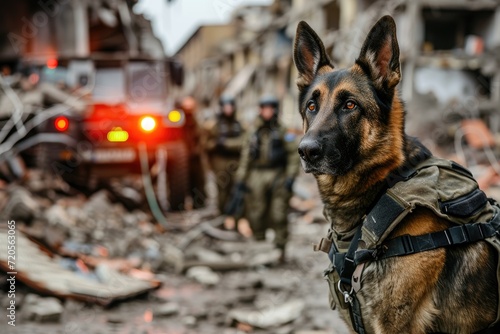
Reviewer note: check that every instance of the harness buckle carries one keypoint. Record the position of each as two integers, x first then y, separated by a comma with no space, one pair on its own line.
407,244
347,294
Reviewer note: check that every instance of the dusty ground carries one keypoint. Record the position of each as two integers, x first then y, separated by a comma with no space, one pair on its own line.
290,298
184,305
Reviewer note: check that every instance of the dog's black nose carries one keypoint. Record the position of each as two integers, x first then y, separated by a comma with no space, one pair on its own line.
309,150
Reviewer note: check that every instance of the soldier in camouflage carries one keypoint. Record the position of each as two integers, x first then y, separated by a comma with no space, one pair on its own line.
224,138
268,166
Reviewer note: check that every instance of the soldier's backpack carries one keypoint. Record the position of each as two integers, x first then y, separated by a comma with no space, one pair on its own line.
444,187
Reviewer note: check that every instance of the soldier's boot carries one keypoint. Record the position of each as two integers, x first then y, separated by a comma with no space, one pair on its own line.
278,214
282,259
257,204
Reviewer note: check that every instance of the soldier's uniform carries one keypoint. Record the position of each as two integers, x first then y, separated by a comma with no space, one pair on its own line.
224,138
268,165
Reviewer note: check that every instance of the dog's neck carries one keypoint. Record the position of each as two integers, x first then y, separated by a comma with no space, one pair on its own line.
347,201
348,198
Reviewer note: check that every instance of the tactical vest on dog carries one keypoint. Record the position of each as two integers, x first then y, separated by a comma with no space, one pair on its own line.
444,187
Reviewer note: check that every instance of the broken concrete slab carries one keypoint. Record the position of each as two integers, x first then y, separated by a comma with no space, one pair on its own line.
57,215
166,310
243,280
207,255
271,316
20,205
40,309
265,259
237,256
98,203
173,258
203,275
229,247
189,321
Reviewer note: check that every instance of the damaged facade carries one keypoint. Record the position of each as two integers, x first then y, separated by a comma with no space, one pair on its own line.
67,28
449,54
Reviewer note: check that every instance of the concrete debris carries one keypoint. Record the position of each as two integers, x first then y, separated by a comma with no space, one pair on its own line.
264,259
100,252
21,205
173,258
235,256
130,197
270,317
98,203
44,273
207,255
166,310
189,321
243,280
203,275
42,309
249,246
57,215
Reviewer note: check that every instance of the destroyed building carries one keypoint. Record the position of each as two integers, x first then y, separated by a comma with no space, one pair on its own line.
449,54
45,29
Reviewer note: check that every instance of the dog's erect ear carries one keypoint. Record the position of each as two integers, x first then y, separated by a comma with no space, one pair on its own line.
309,54
380,53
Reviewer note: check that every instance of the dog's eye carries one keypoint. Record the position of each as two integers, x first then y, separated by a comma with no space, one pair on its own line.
350,105
311,106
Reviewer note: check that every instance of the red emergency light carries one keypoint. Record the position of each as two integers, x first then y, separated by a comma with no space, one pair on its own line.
52,63
61,123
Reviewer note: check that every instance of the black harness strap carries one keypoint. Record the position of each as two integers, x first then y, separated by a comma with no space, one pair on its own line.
345,265
349,264
456,235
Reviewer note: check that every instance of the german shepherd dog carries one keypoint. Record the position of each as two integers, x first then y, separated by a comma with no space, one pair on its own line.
354,136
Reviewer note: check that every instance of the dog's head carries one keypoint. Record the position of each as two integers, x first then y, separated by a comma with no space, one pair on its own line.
352,117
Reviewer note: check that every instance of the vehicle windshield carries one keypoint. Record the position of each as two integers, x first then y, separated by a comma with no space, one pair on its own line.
146,82
109,86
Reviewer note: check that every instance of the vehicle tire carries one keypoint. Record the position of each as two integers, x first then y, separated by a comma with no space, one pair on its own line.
177,175
75,174
79,178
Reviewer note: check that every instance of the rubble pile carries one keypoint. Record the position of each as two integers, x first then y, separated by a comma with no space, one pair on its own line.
91,258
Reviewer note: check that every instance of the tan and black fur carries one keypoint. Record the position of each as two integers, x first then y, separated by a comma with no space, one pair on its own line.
354,137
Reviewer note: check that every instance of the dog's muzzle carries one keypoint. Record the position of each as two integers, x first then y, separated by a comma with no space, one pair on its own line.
310,150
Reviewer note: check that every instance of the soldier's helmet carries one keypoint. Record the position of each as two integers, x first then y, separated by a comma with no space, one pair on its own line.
269,100
227,99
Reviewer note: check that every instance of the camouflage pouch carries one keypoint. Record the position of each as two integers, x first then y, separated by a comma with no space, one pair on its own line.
335,296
